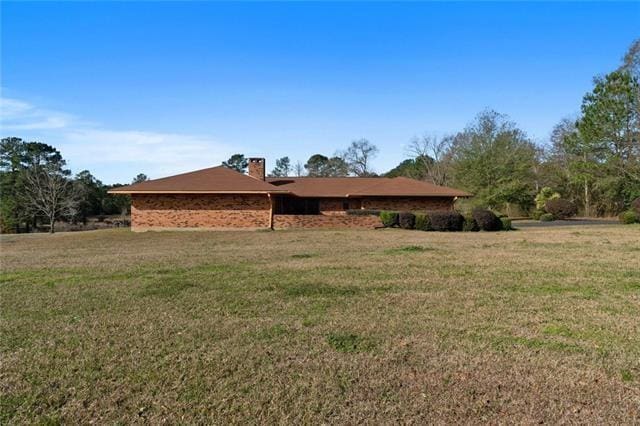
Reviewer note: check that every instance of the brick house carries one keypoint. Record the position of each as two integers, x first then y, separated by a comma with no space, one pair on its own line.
221,198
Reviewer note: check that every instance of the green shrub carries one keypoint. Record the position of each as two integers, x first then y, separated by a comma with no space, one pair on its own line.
560,208
629,217
546,217
446,220
635,205
363,212
506,224
389,219
486,220
470,224
535,215
422,222
406,220
545,195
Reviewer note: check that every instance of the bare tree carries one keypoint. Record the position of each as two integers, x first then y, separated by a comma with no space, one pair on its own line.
49,193
432,154
358,156
299,169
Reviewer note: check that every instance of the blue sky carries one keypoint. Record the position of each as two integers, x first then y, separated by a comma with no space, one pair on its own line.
161,88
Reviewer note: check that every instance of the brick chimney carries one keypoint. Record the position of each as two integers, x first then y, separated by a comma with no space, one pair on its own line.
256,168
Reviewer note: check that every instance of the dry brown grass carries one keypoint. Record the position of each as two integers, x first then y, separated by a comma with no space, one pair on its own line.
540,325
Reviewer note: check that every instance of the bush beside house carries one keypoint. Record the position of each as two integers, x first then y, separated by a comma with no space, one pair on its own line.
446,221
486,220
450,221
470,224
389,219
422,222
407,220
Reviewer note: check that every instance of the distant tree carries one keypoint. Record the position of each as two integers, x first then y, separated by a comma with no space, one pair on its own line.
337,167
631,60
140,177
18,157
431,154
12,164
41,154
12,154
237,162
92,194
358,157
606,146
116,203
407,168
319,165
299,169
494,159
316,165
282,168
49,193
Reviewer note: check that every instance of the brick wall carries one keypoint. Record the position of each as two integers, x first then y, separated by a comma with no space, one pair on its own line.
207,211
248,211
408,203
332,206
281,221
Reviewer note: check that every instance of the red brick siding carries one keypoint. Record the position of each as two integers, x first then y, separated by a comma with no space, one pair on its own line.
408,203
332,206
281,221
199,211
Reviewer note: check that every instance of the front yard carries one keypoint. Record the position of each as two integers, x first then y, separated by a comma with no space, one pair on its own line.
536,325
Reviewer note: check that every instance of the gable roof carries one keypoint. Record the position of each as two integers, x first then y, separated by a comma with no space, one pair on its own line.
360,187
213,180
220,179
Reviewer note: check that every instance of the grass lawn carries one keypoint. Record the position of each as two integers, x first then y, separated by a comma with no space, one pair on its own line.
537,325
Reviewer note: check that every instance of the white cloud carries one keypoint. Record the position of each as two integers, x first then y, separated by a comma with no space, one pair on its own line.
110,154
19,115
157,154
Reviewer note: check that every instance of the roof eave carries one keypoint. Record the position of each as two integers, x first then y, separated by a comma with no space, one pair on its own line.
135,191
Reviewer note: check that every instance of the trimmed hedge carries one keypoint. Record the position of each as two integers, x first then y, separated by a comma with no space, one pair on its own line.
446,221
506,224
546,217
406,220
422,222
470,224
363,212
629,217
389,219
487,220
561,208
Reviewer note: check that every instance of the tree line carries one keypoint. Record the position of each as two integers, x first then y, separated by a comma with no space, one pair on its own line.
592,160
37,189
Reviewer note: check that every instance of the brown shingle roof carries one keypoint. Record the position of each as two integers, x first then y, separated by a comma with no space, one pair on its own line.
359,187
212,180
224,180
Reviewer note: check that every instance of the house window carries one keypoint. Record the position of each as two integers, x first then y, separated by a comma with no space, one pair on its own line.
296,205
345,205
